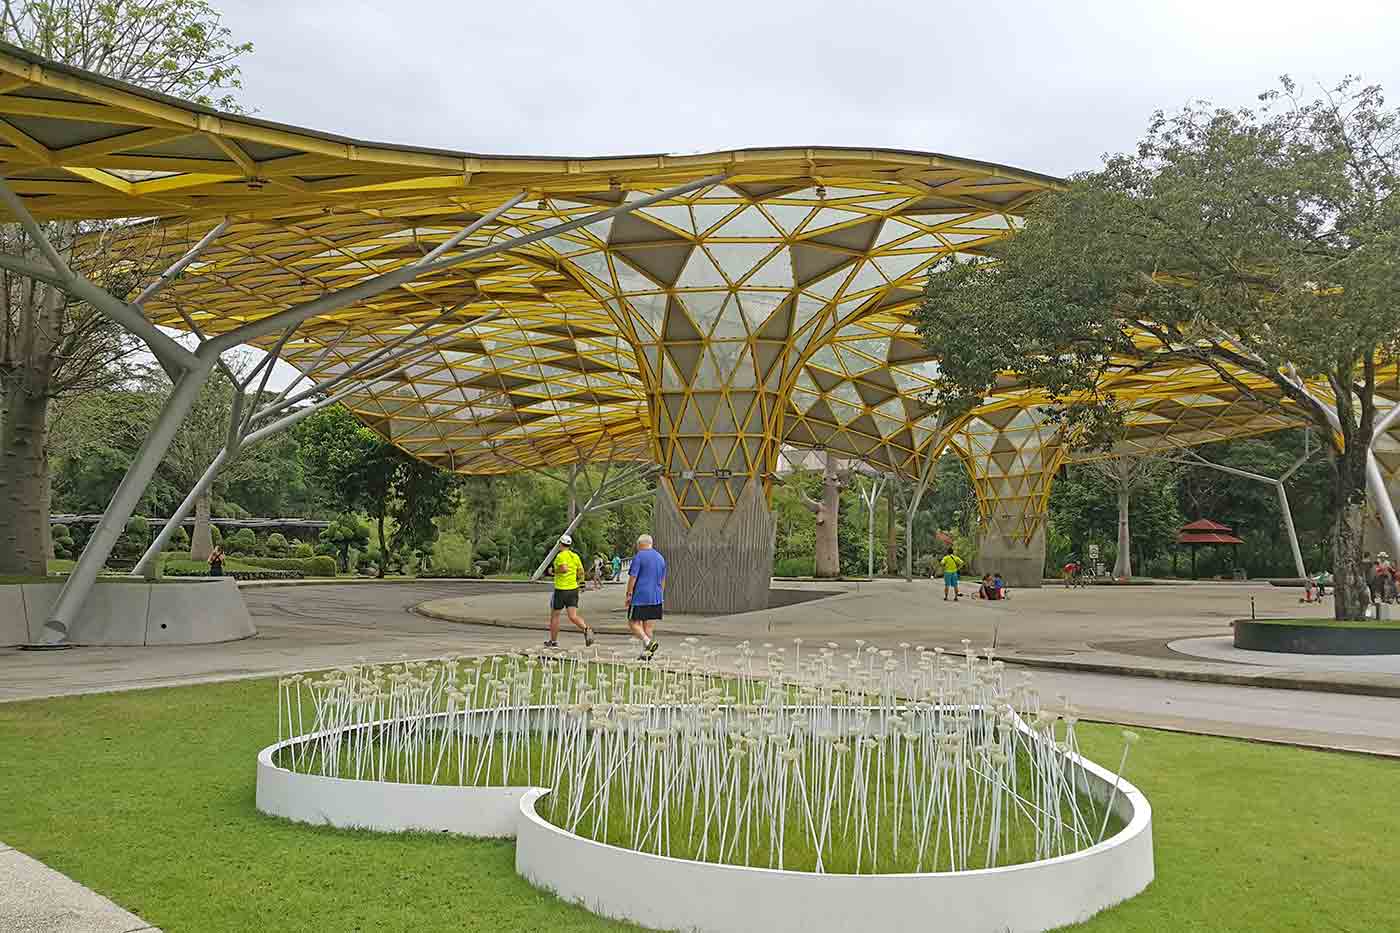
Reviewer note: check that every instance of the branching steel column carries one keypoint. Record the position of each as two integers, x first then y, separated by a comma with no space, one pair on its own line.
1375,482
1197,460
869,496
935,452
592,505
124,500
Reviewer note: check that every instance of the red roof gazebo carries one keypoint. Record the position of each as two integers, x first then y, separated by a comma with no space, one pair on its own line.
1204,531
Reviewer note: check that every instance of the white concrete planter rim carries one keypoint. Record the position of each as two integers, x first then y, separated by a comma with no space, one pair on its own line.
1138,823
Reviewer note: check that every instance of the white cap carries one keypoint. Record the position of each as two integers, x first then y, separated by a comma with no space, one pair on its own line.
565,540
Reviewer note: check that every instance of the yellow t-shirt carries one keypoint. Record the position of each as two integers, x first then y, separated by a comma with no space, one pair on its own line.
952,563
568,570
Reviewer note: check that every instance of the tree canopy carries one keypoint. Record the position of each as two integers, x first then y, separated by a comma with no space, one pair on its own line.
1259,245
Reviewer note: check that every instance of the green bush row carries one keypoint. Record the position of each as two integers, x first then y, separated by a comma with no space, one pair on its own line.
311,566
243,574
794,567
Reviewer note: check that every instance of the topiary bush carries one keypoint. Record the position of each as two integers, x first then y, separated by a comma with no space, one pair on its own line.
215,535
310,566
303,549
242,541
179,541
276,544
63,546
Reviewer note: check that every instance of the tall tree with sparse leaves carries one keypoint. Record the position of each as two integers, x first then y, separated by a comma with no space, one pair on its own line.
51,346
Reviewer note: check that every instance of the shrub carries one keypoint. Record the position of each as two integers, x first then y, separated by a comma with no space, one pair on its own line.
243,541
310,566
180,540
63,546
131,544
303,549
276,544
215,535
795,567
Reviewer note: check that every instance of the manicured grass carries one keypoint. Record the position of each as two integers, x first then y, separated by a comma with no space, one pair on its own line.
1328,623
148,797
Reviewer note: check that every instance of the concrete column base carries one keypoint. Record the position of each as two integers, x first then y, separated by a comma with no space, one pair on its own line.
721,564
1019,563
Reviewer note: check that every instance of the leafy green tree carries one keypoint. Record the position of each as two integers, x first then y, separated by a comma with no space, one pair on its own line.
1259,244
50,346
341,535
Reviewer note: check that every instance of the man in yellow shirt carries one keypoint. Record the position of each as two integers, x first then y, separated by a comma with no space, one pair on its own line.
952,563
568,578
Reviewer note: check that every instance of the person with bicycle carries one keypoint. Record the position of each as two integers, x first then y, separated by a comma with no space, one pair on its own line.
1071,572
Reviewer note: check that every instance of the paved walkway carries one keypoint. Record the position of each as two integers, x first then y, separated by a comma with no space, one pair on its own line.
36,899
311,627
1148,631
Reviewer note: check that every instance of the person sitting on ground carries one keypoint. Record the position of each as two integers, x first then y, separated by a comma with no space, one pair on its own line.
999,585
985,590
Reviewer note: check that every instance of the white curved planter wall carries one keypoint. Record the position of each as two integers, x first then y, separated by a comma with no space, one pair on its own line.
670,893
133,613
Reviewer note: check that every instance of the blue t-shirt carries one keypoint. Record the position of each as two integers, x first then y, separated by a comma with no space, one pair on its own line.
649,567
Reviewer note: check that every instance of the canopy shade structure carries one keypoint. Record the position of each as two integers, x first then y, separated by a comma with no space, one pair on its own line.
489,313
1205,531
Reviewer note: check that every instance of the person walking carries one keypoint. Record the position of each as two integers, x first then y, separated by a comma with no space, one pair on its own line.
568,578
616,568
646,590
952,563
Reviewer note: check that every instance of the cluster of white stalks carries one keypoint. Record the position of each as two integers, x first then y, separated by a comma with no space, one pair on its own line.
857,761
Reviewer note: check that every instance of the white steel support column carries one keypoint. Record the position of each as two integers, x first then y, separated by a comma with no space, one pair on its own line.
870,495
124,500
1375,482
1196,460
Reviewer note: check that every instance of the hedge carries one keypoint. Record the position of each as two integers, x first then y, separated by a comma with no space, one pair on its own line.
443,573
243,574
310,566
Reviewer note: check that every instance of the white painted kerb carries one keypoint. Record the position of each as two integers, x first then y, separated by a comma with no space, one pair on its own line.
670,893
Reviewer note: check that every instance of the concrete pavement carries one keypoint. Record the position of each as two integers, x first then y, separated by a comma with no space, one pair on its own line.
313,627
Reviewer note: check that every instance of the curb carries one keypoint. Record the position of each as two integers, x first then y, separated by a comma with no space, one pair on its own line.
1272,681
367,581
600,628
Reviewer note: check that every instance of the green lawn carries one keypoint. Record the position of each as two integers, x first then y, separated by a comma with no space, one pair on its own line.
148,797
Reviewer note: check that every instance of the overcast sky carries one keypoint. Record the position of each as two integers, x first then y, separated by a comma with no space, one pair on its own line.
1040,85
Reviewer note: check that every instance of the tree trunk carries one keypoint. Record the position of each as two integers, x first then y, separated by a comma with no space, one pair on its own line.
383,547
891,536
202,540
1123,565
1350,595
828,562
45,508
23,468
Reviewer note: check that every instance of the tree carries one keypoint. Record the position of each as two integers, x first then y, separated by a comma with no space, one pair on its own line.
1257,244
356,469
1127,474
827,511
51,346
341,535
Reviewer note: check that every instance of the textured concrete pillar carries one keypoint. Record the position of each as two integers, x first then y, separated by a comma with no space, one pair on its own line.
1020,562
721,561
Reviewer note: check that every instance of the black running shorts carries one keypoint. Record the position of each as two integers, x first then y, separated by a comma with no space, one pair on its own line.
564,599
646,613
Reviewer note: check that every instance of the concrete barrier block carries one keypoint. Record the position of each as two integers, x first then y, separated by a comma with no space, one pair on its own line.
198,612
115,614
38,600
14,622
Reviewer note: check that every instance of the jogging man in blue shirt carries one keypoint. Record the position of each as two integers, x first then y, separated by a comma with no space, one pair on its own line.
646,585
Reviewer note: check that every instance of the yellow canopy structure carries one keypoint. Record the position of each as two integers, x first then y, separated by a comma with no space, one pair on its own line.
700,312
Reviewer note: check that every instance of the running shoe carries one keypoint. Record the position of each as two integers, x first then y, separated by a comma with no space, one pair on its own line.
551,644
588,637
652,649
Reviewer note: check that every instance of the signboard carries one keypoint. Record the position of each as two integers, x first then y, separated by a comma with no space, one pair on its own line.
723,474
1093,552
